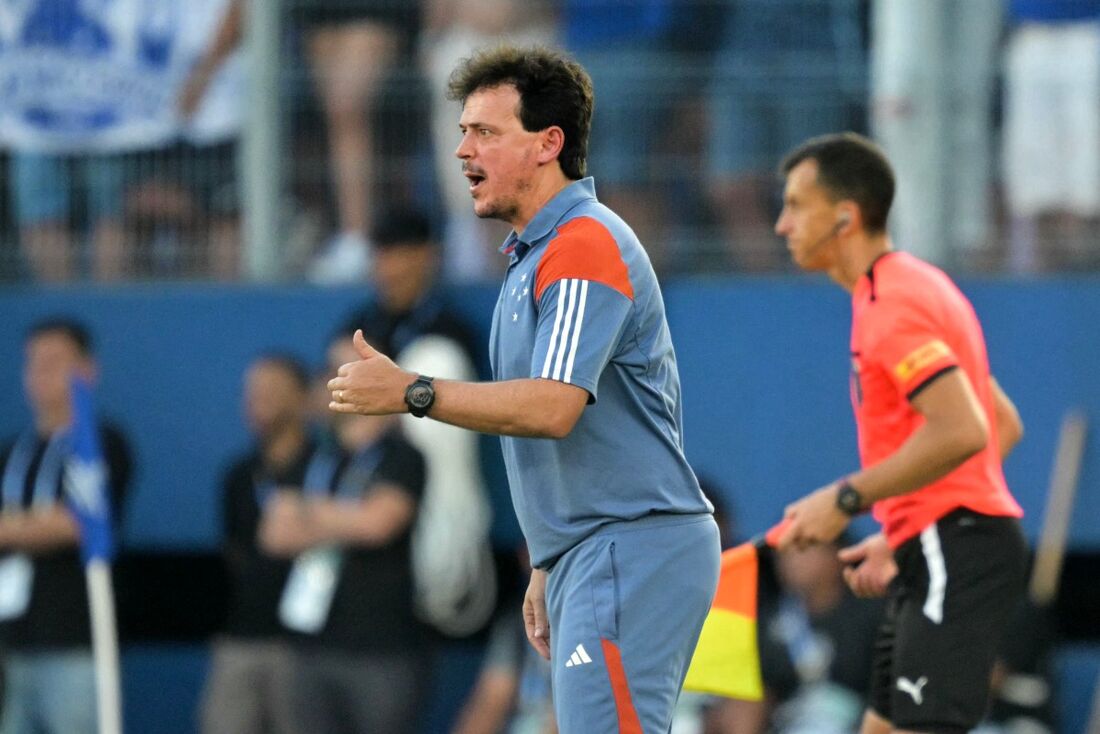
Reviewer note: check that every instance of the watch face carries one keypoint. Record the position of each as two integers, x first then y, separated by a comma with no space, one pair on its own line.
420,396
849,500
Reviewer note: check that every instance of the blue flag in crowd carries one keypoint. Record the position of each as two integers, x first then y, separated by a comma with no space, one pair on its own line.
86,478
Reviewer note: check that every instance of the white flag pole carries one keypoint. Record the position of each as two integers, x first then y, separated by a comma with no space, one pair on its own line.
108,688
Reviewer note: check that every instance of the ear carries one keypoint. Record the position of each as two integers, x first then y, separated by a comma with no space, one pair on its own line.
551,141
848,214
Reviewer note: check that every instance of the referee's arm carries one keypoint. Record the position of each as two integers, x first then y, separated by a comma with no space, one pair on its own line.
1010,428
955,428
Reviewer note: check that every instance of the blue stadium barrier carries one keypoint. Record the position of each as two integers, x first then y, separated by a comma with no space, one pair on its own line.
161,686
1076,675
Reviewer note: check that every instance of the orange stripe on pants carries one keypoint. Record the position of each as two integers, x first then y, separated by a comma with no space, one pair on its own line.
628,717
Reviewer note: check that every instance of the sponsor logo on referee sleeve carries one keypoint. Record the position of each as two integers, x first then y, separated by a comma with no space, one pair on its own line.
915,690
920,358
579,657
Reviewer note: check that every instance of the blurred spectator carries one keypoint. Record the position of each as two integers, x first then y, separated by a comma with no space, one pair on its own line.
816,641
933,69
626,47
44,179
455,575
43,205
183,203
182,213
456,579
1052,134
351,45
454,29
49,675
786,70
248,688
83,86
359,653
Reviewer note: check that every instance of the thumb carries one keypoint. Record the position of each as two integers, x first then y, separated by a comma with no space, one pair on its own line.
366,351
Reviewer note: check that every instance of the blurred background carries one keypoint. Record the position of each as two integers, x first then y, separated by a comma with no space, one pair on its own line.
202,182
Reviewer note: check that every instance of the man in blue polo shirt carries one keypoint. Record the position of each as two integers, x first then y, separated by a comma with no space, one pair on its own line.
586,397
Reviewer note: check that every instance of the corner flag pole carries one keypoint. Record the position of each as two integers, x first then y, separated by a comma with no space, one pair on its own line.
86,478
101,598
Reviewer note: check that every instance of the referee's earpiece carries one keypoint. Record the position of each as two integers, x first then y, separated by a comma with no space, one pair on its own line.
841,222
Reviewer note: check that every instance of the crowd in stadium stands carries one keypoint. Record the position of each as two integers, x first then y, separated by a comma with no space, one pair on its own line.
696,101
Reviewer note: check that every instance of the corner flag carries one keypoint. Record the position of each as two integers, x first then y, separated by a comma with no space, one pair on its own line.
86,478
86,492
727,656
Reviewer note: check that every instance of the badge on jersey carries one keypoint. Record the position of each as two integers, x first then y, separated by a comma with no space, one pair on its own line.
920,359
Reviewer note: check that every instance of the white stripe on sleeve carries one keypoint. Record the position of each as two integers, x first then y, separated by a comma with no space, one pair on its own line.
576,332
563,345
554,333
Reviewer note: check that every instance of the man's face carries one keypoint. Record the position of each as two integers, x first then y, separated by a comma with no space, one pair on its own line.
272,399
809,219
52,358
499,157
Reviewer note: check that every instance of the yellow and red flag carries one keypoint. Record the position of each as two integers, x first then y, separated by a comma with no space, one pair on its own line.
727,657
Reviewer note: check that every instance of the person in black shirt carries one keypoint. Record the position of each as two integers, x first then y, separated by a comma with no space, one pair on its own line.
44,617
410,310
248,688
359,651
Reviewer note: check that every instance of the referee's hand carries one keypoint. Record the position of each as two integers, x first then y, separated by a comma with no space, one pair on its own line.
869,566
534,614
813,519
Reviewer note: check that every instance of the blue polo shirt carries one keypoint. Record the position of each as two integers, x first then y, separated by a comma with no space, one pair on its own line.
580,304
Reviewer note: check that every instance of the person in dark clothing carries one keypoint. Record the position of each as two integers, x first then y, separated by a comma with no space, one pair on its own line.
248,687
44,620
358,650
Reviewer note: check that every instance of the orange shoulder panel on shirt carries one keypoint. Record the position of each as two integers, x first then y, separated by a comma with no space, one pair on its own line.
583,248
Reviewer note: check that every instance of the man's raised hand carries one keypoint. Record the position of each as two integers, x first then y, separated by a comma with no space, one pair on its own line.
373,385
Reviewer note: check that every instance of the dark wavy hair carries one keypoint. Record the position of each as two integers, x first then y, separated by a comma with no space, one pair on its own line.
553,90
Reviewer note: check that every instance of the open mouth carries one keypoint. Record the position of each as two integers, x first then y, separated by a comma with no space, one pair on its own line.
475,179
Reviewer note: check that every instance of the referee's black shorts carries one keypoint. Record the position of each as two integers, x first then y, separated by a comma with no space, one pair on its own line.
959,583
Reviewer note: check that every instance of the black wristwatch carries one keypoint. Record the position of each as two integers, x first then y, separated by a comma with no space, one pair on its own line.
849,500
420,396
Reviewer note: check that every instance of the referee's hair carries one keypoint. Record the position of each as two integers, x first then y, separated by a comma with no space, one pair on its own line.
71,329
850,166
